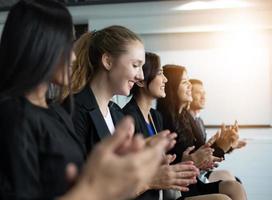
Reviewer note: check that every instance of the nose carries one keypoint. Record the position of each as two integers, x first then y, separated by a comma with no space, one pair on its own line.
140,74
189,85
165,80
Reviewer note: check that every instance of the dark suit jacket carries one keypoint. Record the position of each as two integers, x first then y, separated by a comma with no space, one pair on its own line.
131,108
36,144
88,119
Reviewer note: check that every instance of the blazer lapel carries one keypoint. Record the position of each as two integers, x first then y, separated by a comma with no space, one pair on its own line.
99,123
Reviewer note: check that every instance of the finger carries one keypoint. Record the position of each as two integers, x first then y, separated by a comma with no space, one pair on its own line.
170,158
137,144
188,150
217,159
71,173
186,174
183,167
185,182
187,162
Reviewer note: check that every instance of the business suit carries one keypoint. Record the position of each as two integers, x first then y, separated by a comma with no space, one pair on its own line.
36,144
184,125
88,120
199,122
132,109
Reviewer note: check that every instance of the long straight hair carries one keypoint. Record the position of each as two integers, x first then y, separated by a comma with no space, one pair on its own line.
37,37
181,123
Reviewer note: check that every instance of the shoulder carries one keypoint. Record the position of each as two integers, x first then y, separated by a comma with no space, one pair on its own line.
114,107
16,116
130,107
156,113
85,99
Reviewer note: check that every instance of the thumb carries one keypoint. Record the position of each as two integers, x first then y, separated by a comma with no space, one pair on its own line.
71,173
188,150
169,158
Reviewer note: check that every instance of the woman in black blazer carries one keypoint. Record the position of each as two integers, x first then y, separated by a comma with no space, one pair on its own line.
38,144
109,62
174,109
37,139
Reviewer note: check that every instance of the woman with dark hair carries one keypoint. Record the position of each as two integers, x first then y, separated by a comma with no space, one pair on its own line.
37,141
148,121
109,63
174,109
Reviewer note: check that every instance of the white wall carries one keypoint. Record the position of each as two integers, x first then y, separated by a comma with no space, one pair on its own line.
229,49
237,73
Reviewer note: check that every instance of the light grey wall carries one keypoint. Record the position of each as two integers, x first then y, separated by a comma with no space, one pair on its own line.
229,49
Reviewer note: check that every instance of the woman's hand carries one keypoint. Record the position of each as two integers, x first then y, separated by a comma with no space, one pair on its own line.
228,138
202,157
119,171
177,177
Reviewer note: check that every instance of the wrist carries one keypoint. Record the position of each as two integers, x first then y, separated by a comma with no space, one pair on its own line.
143,189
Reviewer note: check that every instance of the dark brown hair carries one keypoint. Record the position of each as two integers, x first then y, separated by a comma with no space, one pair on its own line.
196,81
181,123
150,70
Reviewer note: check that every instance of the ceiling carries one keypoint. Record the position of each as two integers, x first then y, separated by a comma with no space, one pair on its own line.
6,4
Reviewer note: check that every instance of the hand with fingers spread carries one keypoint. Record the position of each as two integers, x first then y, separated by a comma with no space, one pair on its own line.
229,137
119,171
177,177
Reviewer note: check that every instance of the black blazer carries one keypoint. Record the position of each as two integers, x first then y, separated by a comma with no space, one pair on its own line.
131,108
184,141
36,144
88,120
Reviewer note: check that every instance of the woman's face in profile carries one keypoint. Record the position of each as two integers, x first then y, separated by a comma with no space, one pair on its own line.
61,75
156,88
184,89
127,69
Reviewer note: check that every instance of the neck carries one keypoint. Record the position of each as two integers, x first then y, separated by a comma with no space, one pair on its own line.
145,103
194,112
38,95
182,106
102,92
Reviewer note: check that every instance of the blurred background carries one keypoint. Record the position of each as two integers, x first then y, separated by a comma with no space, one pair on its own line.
225,43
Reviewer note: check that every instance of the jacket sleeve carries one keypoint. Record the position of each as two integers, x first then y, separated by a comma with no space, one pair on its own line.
20,170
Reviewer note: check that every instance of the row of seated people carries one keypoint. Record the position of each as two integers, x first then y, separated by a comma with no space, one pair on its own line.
43,149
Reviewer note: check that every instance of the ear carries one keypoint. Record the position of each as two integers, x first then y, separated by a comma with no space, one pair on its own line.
107,61
140,84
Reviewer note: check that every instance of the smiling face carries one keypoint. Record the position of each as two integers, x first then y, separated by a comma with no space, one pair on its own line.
184,90
156,87
198,94
126,69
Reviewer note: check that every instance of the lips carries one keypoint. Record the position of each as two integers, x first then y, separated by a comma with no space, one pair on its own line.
131,84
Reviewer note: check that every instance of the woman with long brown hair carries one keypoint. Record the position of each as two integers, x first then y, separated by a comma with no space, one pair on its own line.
174,109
